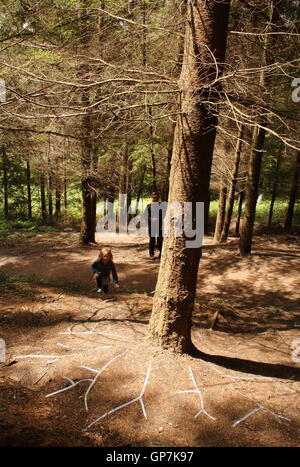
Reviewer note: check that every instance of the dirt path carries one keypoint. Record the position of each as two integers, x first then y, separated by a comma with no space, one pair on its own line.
245,382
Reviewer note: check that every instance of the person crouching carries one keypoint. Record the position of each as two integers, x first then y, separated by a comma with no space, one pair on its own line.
102,268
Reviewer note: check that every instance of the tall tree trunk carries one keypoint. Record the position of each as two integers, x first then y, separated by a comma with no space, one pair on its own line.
89,197
239,214
275,185
230,202
123,183
124,173
153,161
50,181
252,183
50,200
57,201
221,212
5,182
88,227
88,222
165,193
259,133
94,186
129,183
28,179
144,33
206,33
65,194
293,194
43,197
140,187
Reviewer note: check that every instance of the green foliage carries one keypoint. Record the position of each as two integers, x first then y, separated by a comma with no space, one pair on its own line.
4,277
17,285
262,211
31,278
19,228
279,212
213,208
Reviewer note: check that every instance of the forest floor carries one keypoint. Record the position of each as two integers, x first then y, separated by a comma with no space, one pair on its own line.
242,390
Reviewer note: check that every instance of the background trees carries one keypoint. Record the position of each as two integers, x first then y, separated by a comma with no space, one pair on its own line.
96,76
95,90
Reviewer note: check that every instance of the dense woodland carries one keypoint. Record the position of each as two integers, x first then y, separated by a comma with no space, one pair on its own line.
197,100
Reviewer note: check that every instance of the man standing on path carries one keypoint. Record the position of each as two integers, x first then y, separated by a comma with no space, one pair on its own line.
155,215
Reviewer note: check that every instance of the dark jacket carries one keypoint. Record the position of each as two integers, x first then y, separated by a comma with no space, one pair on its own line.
105,269
157,222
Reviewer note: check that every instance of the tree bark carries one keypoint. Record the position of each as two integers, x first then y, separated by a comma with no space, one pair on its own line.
259,133
275,185
293,194
50,201
140,188
88,223
65,194
5,182
252,184
221,212
28,179
239,214
43,197
230,202
165,193
206,32
129,184
89,199
153,161
57,201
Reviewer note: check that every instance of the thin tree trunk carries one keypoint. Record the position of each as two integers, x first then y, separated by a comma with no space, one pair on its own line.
124,173
49,184
57,202
87,235
144,33
28,179
169,158
50,200
129,183
293,194
140,188
88,223
5,182
154,184
206,31
230,203
275,185
43,197
65,194
94,187
221,212
252,184
124,179
259,133
89,196
239,214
